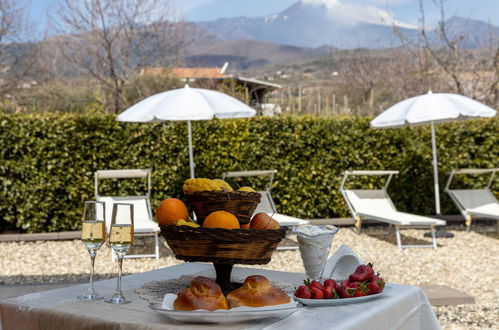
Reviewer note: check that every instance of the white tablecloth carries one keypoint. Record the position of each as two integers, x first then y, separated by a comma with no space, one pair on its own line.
401,307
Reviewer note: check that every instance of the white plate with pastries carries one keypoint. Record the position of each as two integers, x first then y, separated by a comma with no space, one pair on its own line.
239,314
203,302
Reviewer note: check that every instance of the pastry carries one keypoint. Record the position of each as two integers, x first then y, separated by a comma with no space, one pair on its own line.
257,292
203,293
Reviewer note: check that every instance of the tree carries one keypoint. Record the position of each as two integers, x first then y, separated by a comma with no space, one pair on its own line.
15,58
471,72
112,40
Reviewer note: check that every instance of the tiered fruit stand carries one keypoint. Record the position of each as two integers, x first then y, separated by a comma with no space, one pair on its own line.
223,247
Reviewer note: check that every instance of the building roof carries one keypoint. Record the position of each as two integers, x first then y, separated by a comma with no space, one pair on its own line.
187,73
212,73
258,82
205,73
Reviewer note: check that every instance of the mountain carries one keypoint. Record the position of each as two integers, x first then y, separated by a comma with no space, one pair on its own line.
308,24
250,42
243,54
470,33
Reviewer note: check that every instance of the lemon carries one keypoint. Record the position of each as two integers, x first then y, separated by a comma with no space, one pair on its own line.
200,184
183,222
246,189
222,185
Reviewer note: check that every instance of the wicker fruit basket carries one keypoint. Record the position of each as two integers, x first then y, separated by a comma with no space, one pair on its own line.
240,203
223,247
226,246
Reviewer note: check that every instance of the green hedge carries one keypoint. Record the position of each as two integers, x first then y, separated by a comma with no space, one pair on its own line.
47,161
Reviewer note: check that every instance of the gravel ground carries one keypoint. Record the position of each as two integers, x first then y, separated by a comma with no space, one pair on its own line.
468,262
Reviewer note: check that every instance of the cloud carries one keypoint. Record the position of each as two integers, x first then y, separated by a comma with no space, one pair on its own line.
188,5
361,11
386,2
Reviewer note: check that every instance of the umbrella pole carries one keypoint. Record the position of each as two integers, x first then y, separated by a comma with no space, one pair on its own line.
435,168
191,155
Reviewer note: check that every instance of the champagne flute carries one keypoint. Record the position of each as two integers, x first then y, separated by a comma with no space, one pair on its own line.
121,239
93,235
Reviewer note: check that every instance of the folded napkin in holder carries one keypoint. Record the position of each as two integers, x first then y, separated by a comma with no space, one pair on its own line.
341,264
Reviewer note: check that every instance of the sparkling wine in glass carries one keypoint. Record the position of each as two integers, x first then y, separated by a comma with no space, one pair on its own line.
93,235
121,239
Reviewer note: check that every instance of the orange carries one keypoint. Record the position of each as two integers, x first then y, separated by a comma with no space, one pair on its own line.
221,219
171,210
246,226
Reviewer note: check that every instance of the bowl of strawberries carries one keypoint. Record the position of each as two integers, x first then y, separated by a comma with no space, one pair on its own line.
363,284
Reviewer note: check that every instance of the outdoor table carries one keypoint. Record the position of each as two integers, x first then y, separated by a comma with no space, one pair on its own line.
400,307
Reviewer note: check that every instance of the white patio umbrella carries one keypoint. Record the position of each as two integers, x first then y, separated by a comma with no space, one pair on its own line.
186,104
432,108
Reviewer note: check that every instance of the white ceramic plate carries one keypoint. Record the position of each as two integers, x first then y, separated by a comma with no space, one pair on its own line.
342,301
225,316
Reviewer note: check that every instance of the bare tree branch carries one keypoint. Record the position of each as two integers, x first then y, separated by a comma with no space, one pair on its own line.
112,40
16,57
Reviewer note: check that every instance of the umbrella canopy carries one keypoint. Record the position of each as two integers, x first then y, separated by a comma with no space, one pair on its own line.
432,108
186,104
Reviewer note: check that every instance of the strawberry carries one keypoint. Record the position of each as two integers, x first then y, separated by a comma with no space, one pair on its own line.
362,273
330,282
376,285
330,293
345,282
360,288
373,287
317,294
335,294
359,293
316,284
381,282
345,291
303,291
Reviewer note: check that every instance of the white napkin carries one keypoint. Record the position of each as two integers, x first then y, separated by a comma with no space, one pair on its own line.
341,264
169,298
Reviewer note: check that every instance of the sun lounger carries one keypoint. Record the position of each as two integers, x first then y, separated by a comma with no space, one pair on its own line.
267,204
478,202
376,204
143,220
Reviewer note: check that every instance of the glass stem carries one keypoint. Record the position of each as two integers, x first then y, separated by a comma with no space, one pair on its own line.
92,262
118,285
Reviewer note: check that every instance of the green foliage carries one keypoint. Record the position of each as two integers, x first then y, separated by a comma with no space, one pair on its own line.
47,161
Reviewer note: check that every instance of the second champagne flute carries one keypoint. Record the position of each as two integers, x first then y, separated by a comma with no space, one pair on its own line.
121,239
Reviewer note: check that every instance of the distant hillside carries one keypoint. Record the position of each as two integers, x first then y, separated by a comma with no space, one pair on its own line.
239,41
471,33
243,54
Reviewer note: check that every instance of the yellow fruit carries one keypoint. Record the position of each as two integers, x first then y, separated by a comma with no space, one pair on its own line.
192,185
183,222
246,189
222,185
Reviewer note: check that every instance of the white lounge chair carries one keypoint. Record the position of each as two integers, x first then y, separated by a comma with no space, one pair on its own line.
143,220
267,204
475,202
376,204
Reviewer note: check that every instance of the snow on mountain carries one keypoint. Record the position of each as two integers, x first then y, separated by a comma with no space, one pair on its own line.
313,23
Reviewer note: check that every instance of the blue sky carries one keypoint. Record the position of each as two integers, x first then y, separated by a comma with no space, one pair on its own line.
406,11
